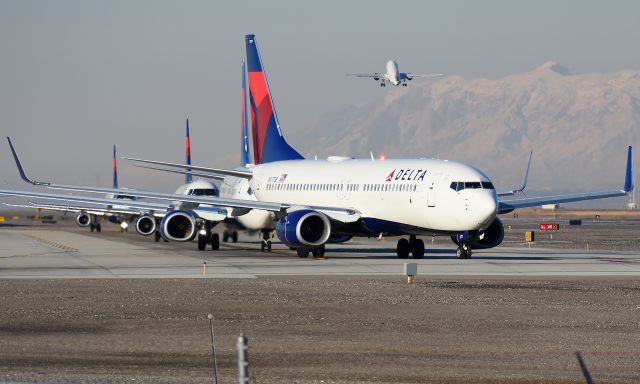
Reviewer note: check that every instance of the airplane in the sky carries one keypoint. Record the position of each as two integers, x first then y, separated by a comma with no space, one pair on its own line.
313,199
393,75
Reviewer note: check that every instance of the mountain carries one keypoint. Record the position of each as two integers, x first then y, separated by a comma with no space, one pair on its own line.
578,126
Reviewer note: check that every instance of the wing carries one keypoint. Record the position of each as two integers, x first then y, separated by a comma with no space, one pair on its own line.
375,75
198,174
410,75
109,205
80,208
506,206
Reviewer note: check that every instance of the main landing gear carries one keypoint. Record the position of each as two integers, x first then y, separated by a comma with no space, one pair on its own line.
413,245
208,238
463,251
230,235
316,252
265,244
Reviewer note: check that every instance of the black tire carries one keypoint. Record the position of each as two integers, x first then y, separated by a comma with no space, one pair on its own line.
202,242
302,252
402,249
225,237
92,227
234,237
215,242
263,246
98,228
417,250
318,252
269,246
157,237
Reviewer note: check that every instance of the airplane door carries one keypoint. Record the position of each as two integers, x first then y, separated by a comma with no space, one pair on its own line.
431,196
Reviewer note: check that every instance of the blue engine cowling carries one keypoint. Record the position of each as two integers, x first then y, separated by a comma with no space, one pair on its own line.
178,226
489,238
304,228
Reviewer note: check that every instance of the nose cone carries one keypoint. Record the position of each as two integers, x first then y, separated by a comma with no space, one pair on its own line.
485,208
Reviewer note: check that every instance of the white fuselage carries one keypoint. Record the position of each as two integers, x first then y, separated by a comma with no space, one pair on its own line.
200,188
408,192
392,74
239,188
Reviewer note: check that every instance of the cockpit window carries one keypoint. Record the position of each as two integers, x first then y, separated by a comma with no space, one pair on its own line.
487,185
203,192
472,185
460,185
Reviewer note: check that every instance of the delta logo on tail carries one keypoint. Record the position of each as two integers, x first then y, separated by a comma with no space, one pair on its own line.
407,175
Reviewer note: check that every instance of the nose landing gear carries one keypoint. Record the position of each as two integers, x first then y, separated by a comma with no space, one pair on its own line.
463,251
265,244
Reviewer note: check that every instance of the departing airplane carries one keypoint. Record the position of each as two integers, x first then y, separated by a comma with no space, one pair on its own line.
313,199
393,75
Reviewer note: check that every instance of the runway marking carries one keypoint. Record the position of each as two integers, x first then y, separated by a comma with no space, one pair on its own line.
51,243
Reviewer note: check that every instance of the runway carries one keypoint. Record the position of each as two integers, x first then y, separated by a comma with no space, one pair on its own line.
67,252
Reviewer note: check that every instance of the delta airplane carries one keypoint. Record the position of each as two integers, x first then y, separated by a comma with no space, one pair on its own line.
393,75
147,215
313,199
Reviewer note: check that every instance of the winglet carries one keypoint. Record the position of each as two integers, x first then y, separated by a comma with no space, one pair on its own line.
628,179
23,174
526,174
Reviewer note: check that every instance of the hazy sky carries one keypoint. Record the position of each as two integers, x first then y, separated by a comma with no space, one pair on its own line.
77,77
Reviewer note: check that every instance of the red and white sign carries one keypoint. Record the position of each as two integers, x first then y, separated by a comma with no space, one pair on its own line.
548,227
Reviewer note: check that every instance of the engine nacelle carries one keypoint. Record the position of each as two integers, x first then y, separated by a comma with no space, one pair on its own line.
178,226
304,228
489,238
337,238
145,225
83,219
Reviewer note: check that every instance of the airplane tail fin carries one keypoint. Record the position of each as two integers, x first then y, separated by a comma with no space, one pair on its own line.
187,178
268,143
244,150
628,177
115,169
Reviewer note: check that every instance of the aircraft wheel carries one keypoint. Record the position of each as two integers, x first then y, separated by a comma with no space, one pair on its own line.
263,245
92,227
202,242
234,236
417,249
215,242
157,237
225,237
302,252
98,228
463,251
318,252
269,246
402,249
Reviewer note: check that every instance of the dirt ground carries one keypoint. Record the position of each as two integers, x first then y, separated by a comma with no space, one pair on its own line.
320,330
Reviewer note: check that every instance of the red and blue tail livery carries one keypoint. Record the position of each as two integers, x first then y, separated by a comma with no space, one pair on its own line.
115,169
187,177
268,143
245,130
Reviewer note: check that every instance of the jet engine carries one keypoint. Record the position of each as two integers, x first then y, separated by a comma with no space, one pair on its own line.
491,237
83,219
145,225
305,228
178,226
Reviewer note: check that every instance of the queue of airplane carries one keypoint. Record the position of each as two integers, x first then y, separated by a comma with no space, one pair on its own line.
309,203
